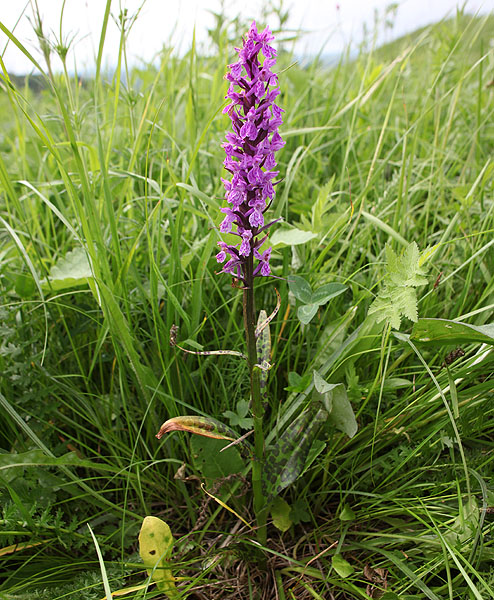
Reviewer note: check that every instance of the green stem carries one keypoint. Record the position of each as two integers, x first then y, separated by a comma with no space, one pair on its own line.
260,508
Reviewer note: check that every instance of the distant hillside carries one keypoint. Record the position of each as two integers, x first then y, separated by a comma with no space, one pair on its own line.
478,35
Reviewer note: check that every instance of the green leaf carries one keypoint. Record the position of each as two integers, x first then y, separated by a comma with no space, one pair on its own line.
286,459
465,526
298,383
239,419
211,462
341,566
442,331
398,298
300,288
300,511
342,415
24,286
155,547
306,313
280,511
71,271
324,293
347,513
291,237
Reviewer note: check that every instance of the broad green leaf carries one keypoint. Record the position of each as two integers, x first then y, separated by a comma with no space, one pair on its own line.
286,459
342,415
300,288
71,271
341,566
321,385
324,293
280,511
442,331
291,237
306,313
208,458
155,547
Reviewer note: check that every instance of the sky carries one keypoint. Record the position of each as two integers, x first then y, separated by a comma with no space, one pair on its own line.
329,24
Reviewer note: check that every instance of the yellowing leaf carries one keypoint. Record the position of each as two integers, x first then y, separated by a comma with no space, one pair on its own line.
155,547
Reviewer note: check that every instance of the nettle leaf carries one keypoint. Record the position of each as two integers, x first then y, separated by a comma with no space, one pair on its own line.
300,288
286,459
442,332
71,271
398,298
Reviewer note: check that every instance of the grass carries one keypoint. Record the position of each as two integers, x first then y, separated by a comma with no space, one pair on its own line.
393,146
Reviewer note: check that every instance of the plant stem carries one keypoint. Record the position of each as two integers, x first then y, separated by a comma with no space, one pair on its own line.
260,508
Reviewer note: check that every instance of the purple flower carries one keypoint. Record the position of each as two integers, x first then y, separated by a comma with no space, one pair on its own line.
249,149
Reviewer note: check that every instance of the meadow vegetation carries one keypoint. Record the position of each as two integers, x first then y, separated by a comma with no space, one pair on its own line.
109,210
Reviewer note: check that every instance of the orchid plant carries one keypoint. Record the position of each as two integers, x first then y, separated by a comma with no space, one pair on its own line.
250,149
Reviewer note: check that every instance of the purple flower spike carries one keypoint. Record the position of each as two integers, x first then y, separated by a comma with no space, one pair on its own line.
249,149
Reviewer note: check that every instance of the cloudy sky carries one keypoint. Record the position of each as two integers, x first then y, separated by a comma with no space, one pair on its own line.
328,23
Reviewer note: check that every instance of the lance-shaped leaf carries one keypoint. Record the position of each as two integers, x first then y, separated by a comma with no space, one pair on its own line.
263,345
155,547
442,331
205,426
286,460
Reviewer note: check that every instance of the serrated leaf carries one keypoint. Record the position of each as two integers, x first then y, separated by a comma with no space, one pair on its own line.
442,332
280,511
300,288
306,313
71,271
398,297
155,547
341,566
326,292
291,237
